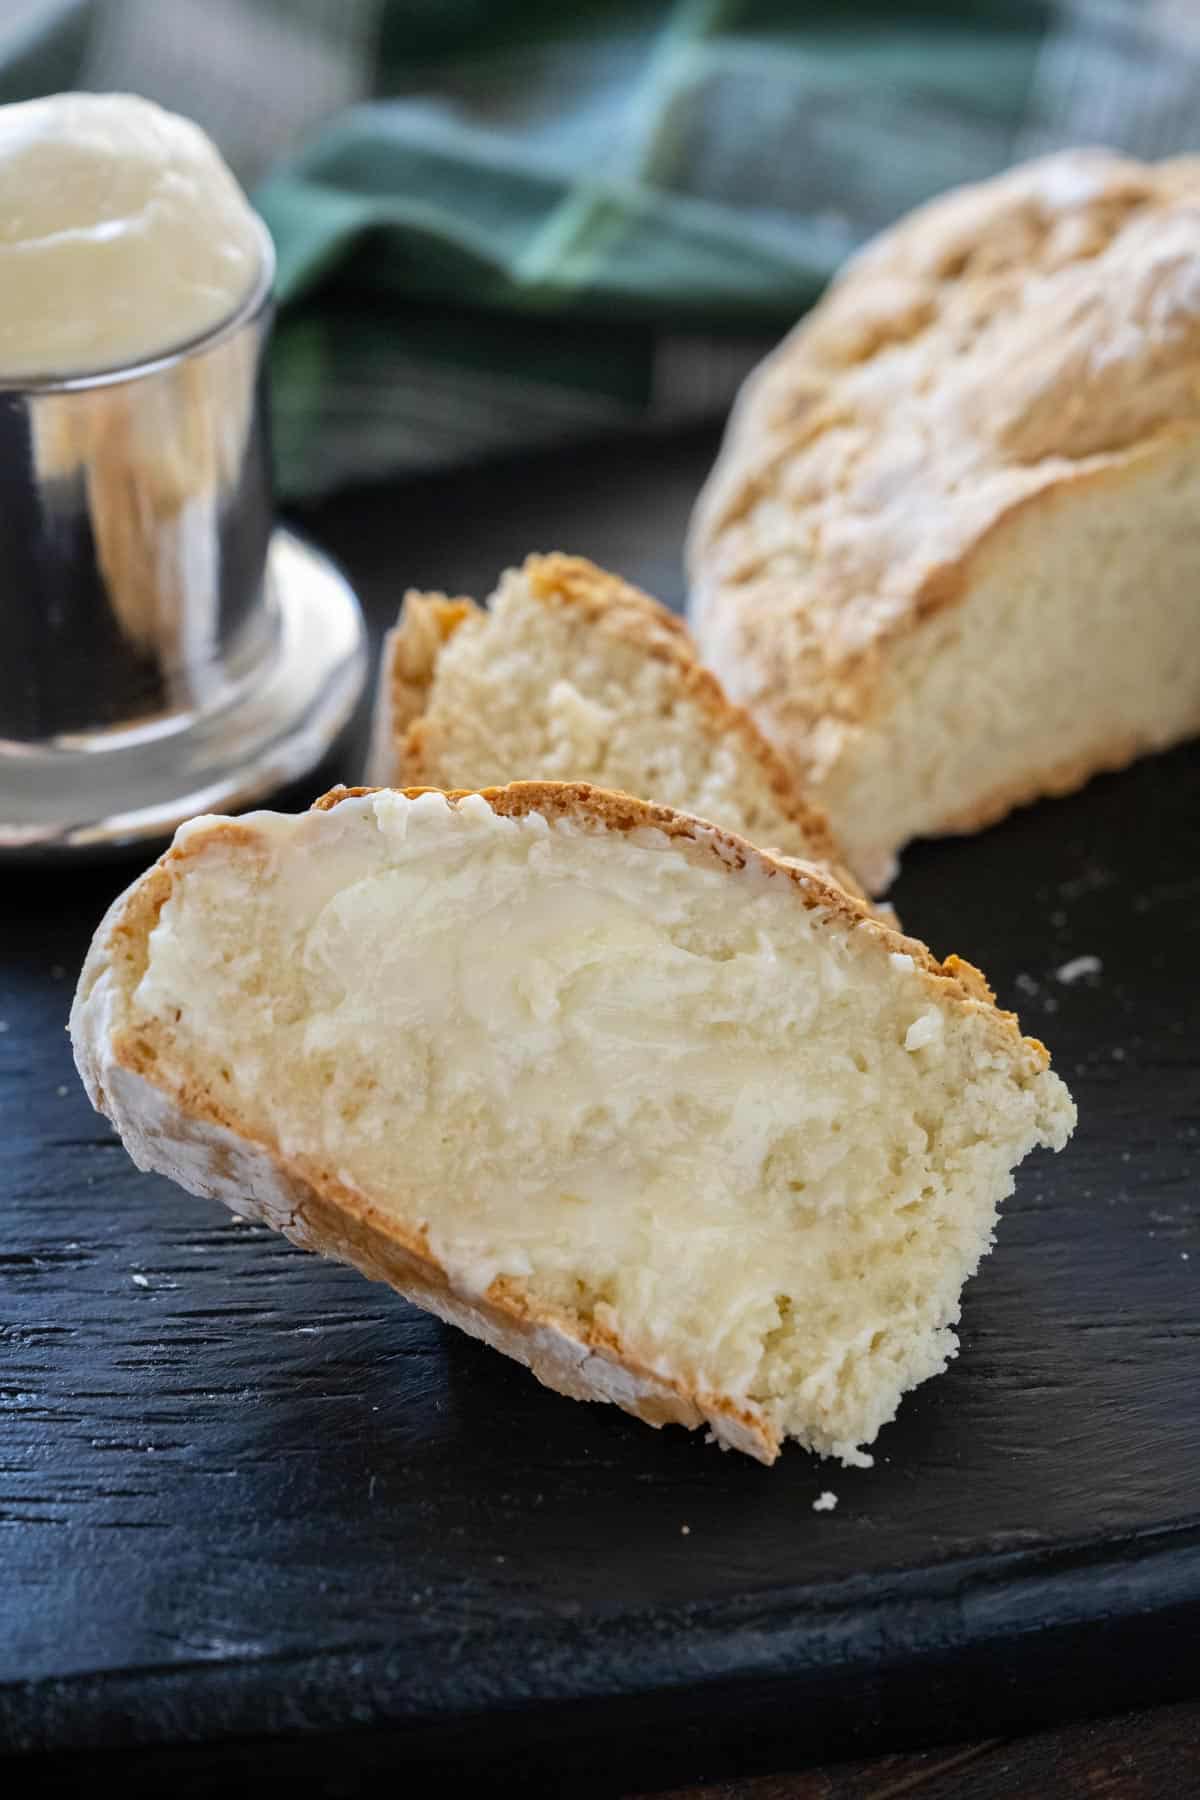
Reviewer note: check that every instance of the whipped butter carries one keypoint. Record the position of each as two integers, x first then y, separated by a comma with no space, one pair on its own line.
123,235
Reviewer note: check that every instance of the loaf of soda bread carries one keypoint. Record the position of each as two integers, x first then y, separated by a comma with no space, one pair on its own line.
949,555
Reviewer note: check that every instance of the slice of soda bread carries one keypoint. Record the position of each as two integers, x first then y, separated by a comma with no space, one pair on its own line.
571,674
673,1123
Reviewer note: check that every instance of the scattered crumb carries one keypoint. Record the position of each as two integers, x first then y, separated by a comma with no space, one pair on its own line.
1026,984
685,1531
1077,967
1050,1003
1183,1256
853,1458
1126,1155
825,1502
141,1280
63,1090
3,1024
1092,881
1118,1055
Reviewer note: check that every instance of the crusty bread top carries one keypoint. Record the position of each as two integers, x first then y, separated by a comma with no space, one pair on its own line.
1002,341
617,610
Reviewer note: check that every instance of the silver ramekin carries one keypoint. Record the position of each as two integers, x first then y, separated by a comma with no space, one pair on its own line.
164,650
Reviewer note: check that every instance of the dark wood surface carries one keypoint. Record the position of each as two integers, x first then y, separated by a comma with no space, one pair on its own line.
255,1513
1140,1756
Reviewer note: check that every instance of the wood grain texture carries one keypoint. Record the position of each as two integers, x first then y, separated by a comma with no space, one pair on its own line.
245,1496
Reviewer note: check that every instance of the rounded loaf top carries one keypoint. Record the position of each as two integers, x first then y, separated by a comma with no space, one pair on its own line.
944,556
998,338
123,235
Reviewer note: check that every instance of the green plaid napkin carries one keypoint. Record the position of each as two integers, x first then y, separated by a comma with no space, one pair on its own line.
509,223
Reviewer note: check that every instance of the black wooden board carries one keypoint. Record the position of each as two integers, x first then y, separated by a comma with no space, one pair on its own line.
256,1510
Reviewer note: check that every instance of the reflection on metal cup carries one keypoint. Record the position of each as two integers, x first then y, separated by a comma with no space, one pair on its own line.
138,604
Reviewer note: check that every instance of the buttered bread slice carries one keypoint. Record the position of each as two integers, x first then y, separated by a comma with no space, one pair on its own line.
671,1122
571,674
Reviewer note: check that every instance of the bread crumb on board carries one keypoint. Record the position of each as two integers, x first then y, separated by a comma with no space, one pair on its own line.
1078,967
825,1502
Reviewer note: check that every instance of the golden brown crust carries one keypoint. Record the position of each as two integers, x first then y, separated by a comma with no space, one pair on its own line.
410,657
996,349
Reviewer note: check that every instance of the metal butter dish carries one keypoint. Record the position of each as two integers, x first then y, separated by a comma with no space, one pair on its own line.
164,650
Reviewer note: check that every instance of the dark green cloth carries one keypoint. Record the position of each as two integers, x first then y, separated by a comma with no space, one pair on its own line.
564,220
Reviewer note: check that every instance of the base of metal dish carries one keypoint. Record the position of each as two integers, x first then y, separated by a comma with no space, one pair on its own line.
121,787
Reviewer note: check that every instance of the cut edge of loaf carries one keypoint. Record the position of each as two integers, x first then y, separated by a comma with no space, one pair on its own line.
1028,536
183,1131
